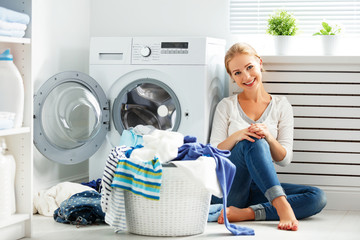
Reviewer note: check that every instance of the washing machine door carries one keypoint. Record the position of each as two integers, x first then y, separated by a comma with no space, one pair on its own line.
71,117
148,102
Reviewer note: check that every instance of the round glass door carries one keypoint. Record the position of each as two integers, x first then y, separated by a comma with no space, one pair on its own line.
71,117
147,102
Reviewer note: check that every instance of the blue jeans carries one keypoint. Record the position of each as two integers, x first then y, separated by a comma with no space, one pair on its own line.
256,184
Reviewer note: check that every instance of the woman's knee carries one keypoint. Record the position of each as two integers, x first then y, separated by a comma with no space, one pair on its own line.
246,145
319,199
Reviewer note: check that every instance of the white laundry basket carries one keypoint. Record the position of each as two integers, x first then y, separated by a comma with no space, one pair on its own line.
182,209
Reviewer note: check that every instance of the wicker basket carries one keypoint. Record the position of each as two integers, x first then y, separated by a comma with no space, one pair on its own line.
182,209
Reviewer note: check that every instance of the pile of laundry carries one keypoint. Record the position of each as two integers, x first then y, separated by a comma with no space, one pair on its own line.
12,23
69,202
137,167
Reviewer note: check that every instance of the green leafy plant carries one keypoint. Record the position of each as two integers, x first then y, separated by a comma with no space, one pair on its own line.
282,23
328,30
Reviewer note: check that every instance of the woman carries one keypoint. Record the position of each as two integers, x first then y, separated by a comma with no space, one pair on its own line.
258,130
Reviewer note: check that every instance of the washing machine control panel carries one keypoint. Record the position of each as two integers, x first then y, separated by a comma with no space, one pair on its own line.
145,51
158,52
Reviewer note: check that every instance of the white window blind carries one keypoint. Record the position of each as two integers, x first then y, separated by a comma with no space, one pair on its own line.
250,17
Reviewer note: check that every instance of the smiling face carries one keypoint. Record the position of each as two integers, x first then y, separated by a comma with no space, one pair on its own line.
245,70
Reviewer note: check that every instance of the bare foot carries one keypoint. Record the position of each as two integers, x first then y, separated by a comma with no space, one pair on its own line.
287,217
235,214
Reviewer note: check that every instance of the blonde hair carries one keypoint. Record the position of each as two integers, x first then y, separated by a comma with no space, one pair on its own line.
239,48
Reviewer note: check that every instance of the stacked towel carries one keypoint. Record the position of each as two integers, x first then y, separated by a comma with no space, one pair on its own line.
12,23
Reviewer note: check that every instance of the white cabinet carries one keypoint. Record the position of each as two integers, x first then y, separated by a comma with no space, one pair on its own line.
19,140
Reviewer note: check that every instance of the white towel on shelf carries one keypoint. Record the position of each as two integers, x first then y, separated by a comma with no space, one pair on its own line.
13,16
4,25
161,144
12,33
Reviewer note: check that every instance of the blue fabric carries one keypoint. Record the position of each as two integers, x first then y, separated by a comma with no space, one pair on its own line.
13,16
130,139
214,212
80,209
256,183
225,171
95,184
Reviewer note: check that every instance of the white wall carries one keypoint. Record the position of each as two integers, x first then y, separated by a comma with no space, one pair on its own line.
159,18
60,42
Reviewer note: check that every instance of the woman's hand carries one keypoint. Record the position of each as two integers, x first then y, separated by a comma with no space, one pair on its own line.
246,134
236,137
260,129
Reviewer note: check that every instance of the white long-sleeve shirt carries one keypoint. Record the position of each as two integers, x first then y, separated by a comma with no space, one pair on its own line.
278,117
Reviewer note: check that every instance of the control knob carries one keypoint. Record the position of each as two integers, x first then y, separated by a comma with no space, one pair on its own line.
145,51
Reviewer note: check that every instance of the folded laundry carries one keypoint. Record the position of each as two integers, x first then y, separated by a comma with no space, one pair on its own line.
4,25
13,16
12,33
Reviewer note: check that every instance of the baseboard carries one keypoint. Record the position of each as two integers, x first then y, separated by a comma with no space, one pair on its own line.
342,198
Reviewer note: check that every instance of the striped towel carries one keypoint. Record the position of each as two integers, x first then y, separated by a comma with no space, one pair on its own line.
140,177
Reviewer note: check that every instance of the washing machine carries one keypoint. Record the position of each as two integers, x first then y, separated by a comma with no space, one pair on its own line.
170,83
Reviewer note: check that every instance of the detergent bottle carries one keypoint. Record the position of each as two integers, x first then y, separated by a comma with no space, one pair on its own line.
11,88
7,179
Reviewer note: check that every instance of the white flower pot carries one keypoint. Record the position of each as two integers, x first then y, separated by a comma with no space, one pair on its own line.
282,45
330,44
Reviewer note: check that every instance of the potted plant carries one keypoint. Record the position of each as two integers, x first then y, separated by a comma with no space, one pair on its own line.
281,25
330,41
328,30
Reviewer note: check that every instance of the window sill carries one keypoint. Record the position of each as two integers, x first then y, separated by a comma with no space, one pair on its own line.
311,47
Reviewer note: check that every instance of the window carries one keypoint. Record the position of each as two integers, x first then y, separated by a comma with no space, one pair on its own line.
250,17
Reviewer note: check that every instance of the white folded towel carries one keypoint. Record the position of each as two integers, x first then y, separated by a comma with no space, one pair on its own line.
13,16
4,25
12,33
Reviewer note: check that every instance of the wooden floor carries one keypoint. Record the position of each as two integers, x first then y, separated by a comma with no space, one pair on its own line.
328,225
